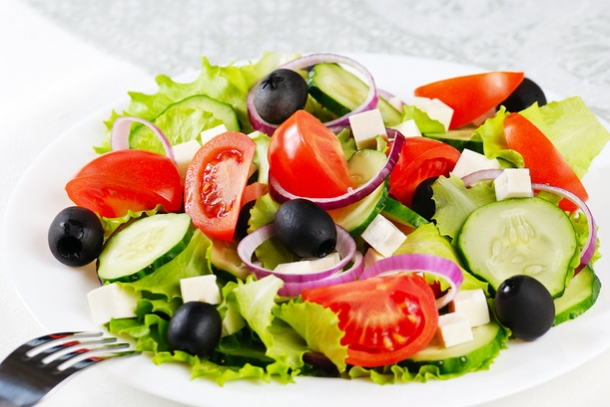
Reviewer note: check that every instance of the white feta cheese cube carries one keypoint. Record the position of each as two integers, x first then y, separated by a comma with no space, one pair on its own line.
453,329
383,236
371,256
396,103
112,301
200,288
407,128
471,161
209,134
366,126
435,108
473,304
184,153
309,265
513,183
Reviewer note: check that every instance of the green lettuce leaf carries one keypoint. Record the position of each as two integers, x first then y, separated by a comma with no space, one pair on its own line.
319,327
424,123
454,202
426,239
568,123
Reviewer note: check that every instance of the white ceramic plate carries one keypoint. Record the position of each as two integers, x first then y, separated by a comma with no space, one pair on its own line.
56,295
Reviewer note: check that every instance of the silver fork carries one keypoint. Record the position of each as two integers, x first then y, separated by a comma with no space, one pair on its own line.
32,370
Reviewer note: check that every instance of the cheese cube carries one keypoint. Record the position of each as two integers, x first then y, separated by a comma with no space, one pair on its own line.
309,265
371,256
435,109
209,134
513,183
366,126
407,128
473,304
200,288
471,161
383,236
453,329
112,301
184,153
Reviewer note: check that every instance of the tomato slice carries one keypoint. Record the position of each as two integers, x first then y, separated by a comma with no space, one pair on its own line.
420,158
215,182
545,162
306,158
472,96
386,319
123,180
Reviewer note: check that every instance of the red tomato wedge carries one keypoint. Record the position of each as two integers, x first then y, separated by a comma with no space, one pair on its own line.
306,158
386,319
215,182
420,158
123,180
472,96
545,162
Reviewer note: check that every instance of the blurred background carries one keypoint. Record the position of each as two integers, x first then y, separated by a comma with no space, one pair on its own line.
562,44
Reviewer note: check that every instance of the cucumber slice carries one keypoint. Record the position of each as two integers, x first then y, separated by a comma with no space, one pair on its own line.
579,296
459,139
487,342
363,165
401,214
340,91
144,246
220,110
519,236
356,217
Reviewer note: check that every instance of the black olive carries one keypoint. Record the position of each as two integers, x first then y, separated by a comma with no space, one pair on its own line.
525,306
526,94
422,202
279,95
76,236
195,328
305,229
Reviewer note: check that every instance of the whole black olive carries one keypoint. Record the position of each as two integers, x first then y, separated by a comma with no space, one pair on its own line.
76,236
525,306
195,328
305,229
526,94
279,95
423,203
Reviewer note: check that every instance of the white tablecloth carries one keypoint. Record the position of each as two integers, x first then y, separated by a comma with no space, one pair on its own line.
62,60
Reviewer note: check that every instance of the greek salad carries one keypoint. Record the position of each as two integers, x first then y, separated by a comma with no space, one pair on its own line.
287,218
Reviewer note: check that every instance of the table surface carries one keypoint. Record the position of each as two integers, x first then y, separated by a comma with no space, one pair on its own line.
64,59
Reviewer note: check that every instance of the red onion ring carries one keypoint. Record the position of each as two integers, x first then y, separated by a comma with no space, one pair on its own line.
119,136
346,246
426,263
587,252
279,194
295,289
307,61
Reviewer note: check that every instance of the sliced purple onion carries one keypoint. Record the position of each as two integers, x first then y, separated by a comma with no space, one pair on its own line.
305,62
425,263
279,194
480,176
346,246
119,137
340,277
587,252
